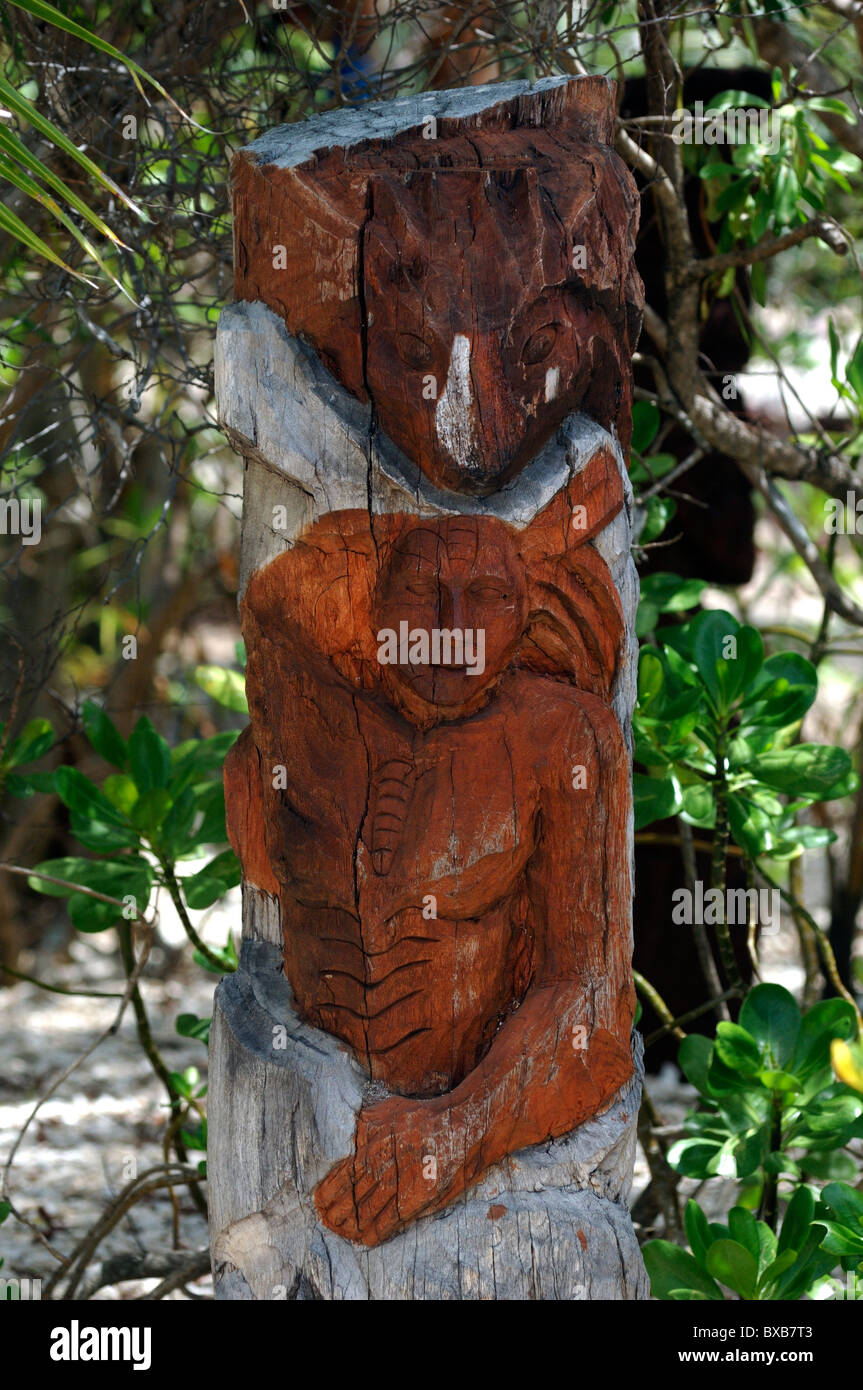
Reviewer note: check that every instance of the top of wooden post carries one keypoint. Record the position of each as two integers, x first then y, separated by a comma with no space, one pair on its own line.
585,101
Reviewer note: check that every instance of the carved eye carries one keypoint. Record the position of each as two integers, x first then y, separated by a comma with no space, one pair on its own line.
423,588
413,350
539,345
487,590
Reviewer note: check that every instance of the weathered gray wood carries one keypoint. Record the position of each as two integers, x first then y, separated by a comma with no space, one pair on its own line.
550,1223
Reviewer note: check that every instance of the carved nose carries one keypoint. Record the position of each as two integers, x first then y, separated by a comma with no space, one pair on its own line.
475,423
446,608
457,610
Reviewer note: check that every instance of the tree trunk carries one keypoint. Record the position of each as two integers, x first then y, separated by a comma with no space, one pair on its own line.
423,1082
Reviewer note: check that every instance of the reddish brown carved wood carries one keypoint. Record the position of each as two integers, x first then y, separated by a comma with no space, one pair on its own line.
476,286
449,849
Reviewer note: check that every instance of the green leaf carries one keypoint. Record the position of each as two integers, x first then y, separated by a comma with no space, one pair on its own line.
226,955
226,687
834,350
809,1265
175,832
29,113
782,692
743,1228
751,827
776,1268
854,371
827,1123
103,734
16,175
728,656
711,632
826,1020
806,769
213,881
824,1166
121,792
18,150
34,740
659,510
130,877
190,1026
694,1058
758,282
781,1081
748,1153
185,1082
731,1264
103,836
149,757
770,1014
737,1049
697,1231
71,870
669,593
694,1158
645,425
150,810
845,1204
699,805
194,759
842,1241
839,108
651,676
669,1269
655,798
86,802
13,225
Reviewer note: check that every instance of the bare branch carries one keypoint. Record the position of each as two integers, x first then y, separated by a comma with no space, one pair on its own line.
828,232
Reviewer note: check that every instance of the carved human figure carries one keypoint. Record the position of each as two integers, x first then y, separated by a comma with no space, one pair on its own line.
447,838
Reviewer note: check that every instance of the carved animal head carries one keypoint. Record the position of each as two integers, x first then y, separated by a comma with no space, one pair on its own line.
475,288
482,336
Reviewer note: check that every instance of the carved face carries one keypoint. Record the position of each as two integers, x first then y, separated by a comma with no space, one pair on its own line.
453,597
481,338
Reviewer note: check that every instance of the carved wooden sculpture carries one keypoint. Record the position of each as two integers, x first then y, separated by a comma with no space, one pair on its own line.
422,1079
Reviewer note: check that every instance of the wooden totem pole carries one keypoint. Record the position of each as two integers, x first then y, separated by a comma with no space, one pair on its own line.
422,1079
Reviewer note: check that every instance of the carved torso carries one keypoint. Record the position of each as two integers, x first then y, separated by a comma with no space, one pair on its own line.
416,952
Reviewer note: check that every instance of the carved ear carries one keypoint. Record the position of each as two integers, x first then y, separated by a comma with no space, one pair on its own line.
576,623
599,490
588,504
575,627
